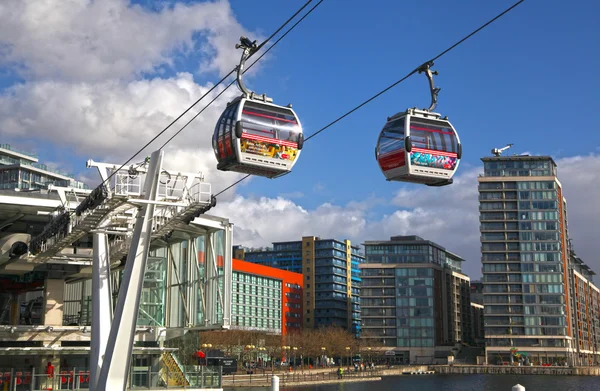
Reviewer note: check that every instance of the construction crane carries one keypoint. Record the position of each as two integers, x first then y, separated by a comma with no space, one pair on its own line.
498,151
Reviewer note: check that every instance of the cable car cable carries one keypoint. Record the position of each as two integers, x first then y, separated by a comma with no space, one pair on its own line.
203,96
395,83
101,190
414,71
246,70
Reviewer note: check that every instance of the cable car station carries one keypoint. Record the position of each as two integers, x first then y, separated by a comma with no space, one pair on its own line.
144,237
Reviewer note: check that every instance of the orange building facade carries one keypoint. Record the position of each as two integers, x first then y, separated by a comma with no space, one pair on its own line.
265,298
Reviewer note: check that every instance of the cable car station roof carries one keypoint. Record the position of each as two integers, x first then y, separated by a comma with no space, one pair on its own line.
61,220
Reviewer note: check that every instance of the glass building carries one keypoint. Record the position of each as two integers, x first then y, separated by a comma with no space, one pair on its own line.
21,170
265,298
585,312
525,259
414,299
331,277
256,303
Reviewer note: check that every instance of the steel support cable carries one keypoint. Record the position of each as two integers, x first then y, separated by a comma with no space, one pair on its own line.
393,85
246,70
205,94
100,186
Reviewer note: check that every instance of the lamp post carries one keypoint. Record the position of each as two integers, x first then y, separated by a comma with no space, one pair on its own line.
348,354
285,349
369,350
295,349
249,347
323,349
205,347
261,351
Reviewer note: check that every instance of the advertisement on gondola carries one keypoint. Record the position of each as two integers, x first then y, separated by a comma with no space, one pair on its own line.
267,147
433,159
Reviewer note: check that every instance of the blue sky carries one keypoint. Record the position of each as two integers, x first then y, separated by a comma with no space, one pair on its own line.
528,79
505,84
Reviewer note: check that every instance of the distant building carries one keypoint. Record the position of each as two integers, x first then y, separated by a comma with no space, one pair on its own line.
414,299
477,324
265,298
477,292
331,278
21,170
239,252
538,297
585,312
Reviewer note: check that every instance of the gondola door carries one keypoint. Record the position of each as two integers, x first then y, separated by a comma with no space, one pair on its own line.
391,152
434,150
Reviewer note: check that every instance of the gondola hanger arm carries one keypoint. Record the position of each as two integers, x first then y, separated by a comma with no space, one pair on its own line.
426,68
250,48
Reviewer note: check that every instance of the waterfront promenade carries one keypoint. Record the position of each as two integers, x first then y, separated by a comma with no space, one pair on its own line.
514,370
329,375
306,377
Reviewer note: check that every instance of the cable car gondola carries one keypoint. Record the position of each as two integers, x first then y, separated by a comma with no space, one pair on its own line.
419,146
255,136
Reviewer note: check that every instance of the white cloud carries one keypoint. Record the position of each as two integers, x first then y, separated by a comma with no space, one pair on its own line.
448,215
110,121
111,117
260,221
83,40
580,177
82,62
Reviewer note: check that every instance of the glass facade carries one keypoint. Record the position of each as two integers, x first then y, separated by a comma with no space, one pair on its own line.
414,307
523,231
20,170
286,256
256,303
410,287
331,278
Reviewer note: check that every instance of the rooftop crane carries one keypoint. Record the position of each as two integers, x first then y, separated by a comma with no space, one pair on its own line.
498,151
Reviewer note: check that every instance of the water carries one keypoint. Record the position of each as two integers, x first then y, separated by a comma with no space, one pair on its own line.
459,383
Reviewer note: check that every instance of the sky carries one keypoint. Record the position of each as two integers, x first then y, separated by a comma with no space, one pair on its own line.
83,79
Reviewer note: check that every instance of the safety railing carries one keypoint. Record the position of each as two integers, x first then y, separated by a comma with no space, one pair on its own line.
142,378
264,379
32,380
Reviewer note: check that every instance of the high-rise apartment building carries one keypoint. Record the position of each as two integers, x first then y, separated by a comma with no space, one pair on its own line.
525,259
585,312
331,277
414,298
21,170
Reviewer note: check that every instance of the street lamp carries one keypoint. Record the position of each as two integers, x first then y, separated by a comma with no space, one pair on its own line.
205,346
369,350
285,349
323,349
348,354
249,347
295,349
261,351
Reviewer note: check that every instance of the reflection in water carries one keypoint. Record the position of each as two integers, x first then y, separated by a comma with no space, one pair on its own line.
458,383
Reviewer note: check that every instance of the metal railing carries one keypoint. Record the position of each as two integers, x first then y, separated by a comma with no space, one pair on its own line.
144,378
264,379
31,380
141,378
